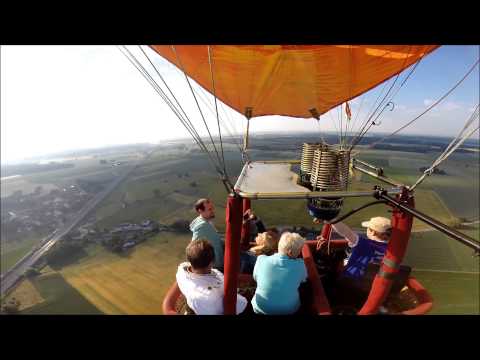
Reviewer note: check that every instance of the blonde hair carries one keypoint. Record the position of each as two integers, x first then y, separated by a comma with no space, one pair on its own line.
290,244
267,244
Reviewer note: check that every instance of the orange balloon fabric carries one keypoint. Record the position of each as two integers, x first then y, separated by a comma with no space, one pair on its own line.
291,80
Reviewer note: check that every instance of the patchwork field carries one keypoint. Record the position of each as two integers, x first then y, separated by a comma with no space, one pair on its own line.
453,293
24,184
11,252
135,284
59,297
27,294
162,189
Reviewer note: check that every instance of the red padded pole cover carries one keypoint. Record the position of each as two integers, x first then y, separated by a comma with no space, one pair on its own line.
397,246
233,220
246,227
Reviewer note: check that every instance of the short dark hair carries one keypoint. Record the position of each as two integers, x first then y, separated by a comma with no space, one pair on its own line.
200,204
273,230
200,253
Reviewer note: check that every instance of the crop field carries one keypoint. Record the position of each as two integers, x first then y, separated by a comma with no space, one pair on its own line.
27,294
134,284
433,250
165,187
59,297
23,184
11,253
459,189
453,293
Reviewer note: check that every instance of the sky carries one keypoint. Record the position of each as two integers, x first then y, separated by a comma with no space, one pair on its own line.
59,98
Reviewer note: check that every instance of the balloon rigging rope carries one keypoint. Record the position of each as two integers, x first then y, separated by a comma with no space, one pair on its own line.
196,101
185,122
429,108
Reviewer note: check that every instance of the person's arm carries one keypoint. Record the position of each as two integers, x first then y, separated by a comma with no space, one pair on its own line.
257,265
260,226
304,275
242,303
347,233
256,220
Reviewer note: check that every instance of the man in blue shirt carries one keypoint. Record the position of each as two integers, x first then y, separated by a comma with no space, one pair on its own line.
278,278
202,228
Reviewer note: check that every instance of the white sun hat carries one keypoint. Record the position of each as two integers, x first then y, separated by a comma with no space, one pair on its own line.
378,224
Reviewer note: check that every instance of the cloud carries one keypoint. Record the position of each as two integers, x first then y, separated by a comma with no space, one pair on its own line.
451,105
427,102
400,107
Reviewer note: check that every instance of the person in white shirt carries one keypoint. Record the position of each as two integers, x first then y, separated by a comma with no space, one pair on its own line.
202,285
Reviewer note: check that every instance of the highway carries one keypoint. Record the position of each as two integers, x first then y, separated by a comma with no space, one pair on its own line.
11,277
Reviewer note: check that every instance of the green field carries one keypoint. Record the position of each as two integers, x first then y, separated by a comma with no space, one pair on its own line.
136,284
459,189
11,252
453,293
86,169
59,297
23,184
133,284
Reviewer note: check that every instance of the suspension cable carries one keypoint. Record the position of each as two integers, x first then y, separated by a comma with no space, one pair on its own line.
168,88
196,101
398,89
450,148
364,122
162,94
362,132
224,124
429,108
186,122
149,78
352,125
210,62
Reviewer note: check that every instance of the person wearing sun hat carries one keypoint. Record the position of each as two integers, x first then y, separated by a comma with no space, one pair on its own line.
351,283
365,248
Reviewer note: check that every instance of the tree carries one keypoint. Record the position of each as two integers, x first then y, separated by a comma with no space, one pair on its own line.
193,184
181,225
156,193
115,244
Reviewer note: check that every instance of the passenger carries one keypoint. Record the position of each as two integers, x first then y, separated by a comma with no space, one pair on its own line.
351,286
278,278
201,285
203,227
256,224
365,248
266,242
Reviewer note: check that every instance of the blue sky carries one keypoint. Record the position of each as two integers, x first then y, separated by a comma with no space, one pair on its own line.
57,98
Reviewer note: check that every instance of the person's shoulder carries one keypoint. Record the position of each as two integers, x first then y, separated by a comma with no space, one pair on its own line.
217,273
182,268
262,257
298,262
199,224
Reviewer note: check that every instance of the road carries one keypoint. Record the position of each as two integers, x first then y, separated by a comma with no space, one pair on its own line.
11,277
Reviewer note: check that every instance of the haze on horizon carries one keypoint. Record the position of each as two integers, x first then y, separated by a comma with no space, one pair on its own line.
66,98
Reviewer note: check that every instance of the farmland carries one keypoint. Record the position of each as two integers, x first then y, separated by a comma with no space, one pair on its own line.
165,187
89,169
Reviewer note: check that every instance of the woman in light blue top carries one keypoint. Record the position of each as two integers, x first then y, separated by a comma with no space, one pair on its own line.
278,278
